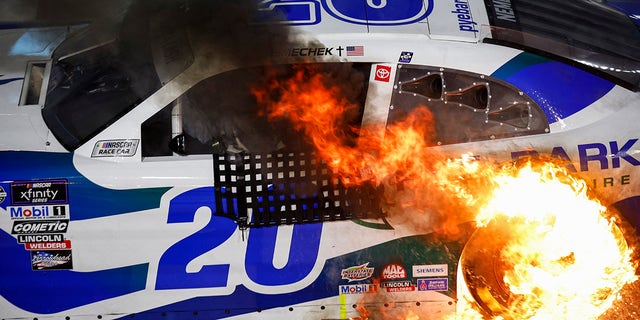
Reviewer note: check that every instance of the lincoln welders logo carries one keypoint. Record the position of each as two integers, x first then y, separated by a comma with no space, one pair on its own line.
39,192
51,260
357,273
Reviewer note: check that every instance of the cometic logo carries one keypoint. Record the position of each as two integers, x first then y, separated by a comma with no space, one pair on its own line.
40,226
393,271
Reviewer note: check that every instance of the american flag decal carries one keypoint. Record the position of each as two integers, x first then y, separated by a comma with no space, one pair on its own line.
354,51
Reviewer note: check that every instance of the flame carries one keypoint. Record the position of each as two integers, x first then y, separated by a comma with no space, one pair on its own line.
564,257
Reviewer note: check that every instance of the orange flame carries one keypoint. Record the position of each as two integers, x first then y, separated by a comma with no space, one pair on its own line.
402,160
565,259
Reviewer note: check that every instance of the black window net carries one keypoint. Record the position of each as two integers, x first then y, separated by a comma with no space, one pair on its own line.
270,189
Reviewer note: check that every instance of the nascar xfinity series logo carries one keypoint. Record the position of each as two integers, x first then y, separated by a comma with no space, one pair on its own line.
39,192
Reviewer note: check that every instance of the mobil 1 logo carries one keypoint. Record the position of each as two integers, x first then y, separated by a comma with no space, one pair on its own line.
39,192
38,212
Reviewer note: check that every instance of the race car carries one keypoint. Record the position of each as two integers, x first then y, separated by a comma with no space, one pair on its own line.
141,178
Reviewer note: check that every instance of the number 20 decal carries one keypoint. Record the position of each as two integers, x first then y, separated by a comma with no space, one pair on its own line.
371,12
260,249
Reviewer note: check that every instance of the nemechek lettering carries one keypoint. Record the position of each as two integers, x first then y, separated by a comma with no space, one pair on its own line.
504,10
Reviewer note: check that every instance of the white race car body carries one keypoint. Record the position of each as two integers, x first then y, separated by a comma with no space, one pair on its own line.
100,219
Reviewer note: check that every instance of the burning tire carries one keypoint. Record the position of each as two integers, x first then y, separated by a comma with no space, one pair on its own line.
484,272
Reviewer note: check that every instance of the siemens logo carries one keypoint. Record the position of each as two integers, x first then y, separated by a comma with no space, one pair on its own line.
430,270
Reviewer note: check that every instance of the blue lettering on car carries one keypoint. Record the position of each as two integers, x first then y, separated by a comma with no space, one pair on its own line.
374,12
260,249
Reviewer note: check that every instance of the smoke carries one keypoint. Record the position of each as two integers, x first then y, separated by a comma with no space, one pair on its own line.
219,113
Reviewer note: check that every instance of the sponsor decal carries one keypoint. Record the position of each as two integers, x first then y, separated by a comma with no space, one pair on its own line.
39,226
51,260
405,57
383,73
38,212
430,270
398,286
357,273
31,238
370,12
355,51
593,156
115,148
66,244
598,156
434,284
39,192
3,194
465,20
357,288
393,271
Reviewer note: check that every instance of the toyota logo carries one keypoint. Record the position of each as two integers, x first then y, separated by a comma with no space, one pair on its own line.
383,73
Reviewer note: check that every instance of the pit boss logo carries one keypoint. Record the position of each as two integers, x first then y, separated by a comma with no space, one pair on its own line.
115,148
393,271
357,273
39,192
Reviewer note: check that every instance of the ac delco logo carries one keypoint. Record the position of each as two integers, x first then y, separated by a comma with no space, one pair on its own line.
39,192
393,271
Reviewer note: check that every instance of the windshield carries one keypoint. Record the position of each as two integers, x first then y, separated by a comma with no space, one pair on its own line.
103,72
590,34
